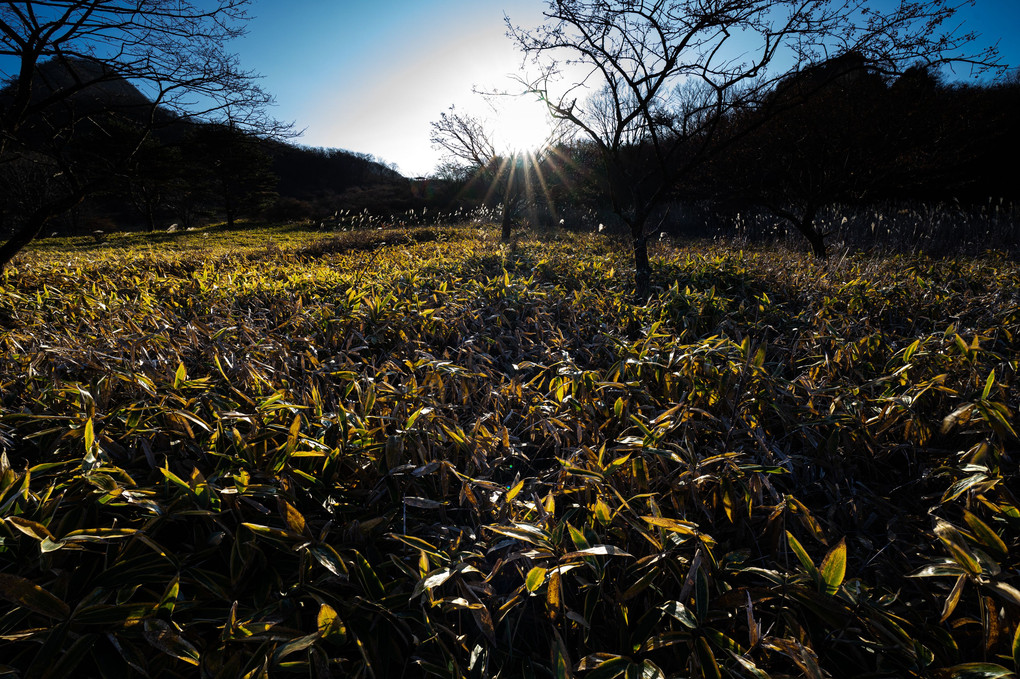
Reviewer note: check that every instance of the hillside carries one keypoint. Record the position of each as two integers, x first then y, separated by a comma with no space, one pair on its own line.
423,453
172,177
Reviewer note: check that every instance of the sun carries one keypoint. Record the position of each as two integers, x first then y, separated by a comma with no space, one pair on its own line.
522,124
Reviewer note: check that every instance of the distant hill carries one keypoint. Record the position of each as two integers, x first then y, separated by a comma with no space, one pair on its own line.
318,181
96,83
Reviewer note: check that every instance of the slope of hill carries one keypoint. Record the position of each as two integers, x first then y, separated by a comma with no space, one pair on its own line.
154,182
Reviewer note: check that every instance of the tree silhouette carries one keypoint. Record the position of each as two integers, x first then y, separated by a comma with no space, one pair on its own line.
76,67
471,152
234,167
667,73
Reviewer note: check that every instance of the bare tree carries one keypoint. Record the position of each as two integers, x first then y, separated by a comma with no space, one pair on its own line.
666,73
471,149
470,146
174,51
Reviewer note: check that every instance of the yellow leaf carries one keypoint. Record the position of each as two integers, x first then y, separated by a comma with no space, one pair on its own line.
674,525
552,595
293,518
833,568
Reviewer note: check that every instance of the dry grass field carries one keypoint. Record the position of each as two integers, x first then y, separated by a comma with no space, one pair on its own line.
421,452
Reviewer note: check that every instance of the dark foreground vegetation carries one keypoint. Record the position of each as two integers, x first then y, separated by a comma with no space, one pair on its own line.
427,453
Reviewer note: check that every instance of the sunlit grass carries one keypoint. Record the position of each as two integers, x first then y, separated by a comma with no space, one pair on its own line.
422,451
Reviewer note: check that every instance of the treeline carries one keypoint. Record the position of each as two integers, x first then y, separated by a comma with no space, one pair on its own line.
835,136
121,162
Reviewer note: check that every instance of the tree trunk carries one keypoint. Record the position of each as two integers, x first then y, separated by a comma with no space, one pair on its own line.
150,215
507,225
508,205
816,239
34,225
806,226
817,242
642,270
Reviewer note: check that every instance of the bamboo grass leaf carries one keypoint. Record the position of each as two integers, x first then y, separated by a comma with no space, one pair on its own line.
25,593
1016,648
985,535
162,636
802,556
954,598
180,376
604,667
329,624
598,550
291,516
833,567
957,547
978,670
674,525
535,579
32,529
989,383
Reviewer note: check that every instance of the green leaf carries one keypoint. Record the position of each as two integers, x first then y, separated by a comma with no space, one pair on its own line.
536,576
272,533
32,529
833,568
329,559
957,547
978,670
954,597
649,670
112,616
680,612
685,527
98,534
561,660
989,383
806,518
609,668
910,350
367,575
415,415
90,437
329,624
985,535
169,600
294,645
163,636
803,557
598,550
1016,648
512,493
523,532
27,594
935,570
577,537
291,516
180,376
709,666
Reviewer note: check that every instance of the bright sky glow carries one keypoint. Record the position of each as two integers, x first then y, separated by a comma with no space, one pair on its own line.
370,77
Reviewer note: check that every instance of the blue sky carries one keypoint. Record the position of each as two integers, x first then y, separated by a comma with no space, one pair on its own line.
370,76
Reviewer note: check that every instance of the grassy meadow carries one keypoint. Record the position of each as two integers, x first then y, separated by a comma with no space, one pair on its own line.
422,452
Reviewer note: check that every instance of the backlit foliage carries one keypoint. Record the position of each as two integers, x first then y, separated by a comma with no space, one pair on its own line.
425,453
